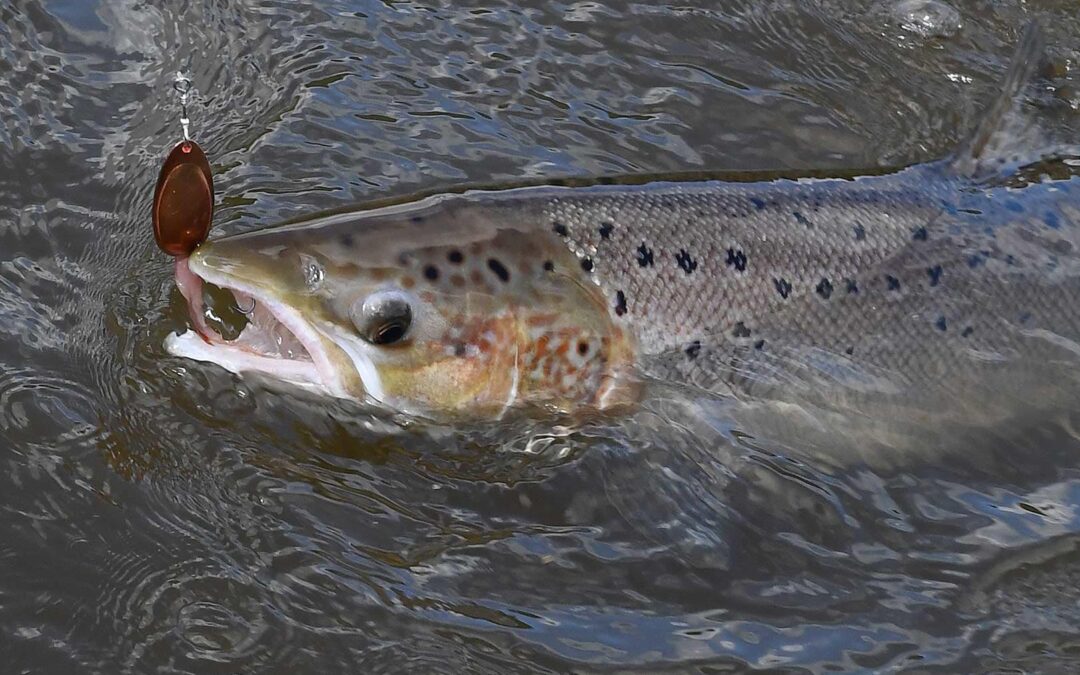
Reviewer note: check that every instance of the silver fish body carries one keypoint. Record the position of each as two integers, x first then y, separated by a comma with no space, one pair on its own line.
932,277
912,270
913,273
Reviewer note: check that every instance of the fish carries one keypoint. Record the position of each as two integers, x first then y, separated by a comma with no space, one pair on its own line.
572,298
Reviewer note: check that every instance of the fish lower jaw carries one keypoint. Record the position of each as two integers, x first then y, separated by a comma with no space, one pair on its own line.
298,357
191,345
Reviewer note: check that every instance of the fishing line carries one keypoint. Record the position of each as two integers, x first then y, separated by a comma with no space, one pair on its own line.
183,86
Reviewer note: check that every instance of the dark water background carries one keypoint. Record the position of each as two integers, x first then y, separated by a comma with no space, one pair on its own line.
161,516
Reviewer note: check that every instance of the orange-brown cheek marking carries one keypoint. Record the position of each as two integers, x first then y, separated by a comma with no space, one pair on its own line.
477,377
541,347
572,366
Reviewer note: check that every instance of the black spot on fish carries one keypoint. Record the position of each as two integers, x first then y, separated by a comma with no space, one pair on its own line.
758,204
736,258
347,240
684,260
920,234
759,345
560,229
605,230
644,255
1025,317
620,303
850,350
583,348
455,256
801,219
783,287
1010,260
693,349
974,260
549,266
892,282
417,219
860,232
740,330
940,323
586,264
824,288
935,274
499,269
431,273
851,286
967,331
459,349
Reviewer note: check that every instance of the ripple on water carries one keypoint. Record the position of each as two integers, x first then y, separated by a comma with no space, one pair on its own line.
45,412
186,581
927,18
195,612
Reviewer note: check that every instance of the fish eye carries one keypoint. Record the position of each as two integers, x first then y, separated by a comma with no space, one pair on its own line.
383,318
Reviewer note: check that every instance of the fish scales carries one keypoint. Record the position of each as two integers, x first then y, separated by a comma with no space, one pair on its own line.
694,262
989,291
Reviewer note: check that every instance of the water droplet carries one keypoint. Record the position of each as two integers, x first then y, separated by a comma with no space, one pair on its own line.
313,272
927,18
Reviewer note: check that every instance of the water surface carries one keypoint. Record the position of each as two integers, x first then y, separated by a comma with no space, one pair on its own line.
163,516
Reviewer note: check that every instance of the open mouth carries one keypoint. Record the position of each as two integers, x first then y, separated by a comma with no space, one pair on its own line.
275,339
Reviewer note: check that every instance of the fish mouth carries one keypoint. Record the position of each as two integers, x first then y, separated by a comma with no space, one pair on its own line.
276,341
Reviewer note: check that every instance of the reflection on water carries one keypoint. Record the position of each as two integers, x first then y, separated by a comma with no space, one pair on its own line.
162,515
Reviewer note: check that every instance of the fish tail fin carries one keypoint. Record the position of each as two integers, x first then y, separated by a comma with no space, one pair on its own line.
975,156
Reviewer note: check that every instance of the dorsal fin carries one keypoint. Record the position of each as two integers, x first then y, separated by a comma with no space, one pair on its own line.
973,155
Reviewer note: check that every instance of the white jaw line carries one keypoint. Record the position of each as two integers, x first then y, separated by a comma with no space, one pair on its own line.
190,345
318,374
365,367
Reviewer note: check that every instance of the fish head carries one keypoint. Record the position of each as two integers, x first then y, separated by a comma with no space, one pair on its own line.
443,309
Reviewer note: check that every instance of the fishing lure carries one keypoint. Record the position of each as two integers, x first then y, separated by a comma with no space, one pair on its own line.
184,197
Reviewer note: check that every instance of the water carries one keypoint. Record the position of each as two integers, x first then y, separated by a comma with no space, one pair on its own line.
162,516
